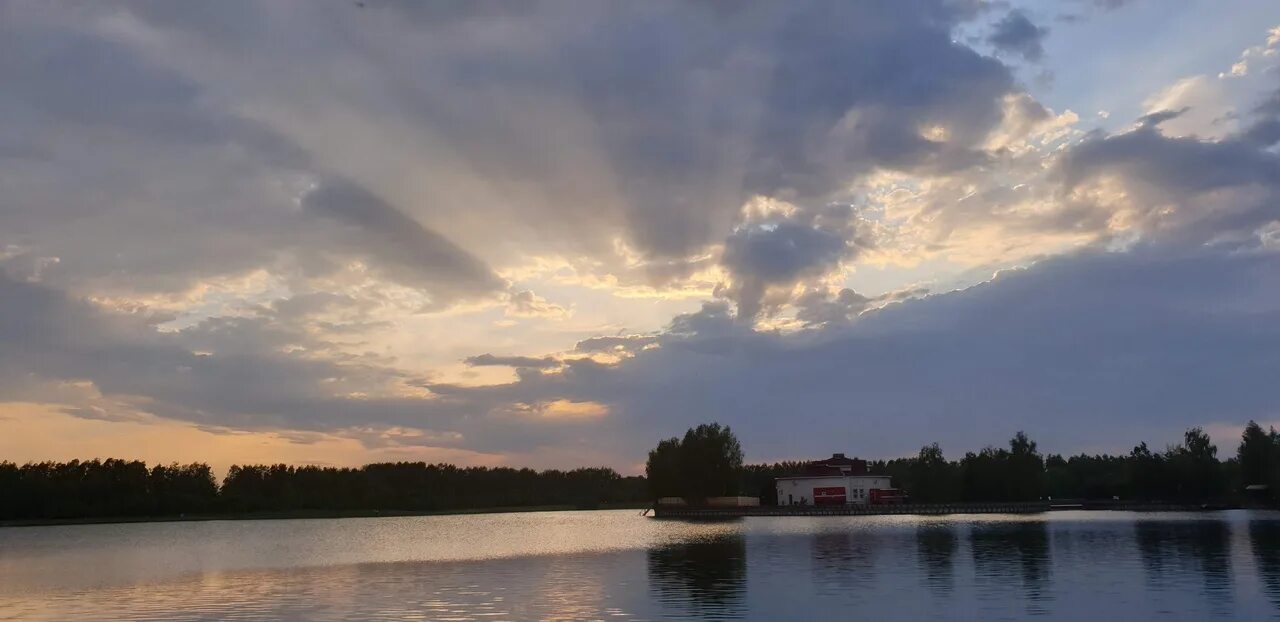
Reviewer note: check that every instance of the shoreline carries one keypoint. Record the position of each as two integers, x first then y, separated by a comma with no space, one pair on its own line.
939,509
307,515
673,512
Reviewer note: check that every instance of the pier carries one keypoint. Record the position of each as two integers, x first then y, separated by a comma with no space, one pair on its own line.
697,512
923,509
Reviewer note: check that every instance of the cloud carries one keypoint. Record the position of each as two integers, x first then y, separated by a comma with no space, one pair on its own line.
820,307
658,148
1017,34
302,219
781,252
1111,5
1095,349
262,373
484,360
1175,186
528,304
625,343
406,250
1093,7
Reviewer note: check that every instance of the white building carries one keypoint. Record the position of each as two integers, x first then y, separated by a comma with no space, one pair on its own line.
829,489
835,481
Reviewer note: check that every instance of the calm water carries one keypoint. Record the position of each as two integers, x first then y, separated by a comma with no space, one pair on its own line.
618,565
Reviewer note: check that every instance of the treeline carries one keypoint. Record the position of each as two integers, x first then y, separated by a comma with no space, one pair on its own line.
705,462
122,488
104,488
1188,472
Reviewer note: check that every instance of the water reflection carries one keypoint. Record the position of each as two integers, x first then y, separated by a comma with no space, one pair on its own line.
1264,538
843,560
1008,553
1058,566
1174,551
935,551
705,577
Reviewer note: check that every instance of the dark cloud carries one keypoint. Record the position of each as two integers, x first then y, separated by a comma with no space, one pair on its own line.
681,111
821,307
153,183
400,245
1182,186
254,373
150,149
1093,6
123,168
246,381
626,343
1270,105
1154,119
529,362
1017,34
1264,131
1093,350
781,252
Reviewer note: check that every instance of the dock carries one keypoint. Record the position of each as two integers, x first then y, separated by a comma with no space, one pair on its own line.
923,509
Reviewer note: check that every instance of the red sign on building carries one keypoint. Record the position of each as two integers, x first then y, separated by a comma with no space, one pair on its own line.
828,495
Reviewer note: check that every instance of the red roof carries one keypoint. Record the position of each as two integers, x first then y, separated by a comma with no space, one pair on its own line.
837,464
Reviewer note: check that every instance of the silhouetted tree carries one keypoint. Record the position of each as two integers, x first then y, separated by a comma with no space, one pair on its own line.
1024,475
183,488
1149,474
761,480
1014,474
1259,455
117,488
114,488
982,475
931,477
710,461
1195,466
663,469
707,462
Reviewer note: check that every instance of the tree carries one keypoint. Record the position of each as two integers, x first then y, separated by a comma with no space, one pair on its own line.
1149,475
663,469
982,475
1258,454
931,477
761,480
707,462
1025,471
1060,480
1196,467
710,461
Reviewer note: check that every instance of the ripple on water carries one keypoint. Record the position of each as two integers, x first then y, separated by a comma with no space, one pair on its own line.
616,565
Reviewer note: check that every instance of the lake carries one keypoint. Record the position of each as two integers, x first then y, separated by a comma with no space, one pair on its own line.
617,565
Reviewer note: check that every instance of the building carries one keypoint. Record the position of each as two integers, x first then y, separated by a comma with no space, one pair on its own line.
835,481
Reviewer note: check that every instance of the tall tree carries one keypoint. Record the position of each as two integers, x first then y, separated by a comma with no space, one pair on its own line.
1258,454
663,469
1196,466
931,477
710,461
1025,473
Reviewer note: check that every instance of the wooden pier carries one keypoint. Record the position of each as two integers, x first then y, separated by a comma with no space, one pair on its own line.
927,509
924,509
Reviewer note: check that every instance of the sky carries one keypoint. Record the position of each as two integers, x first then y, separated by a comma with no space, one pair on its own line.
550,234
